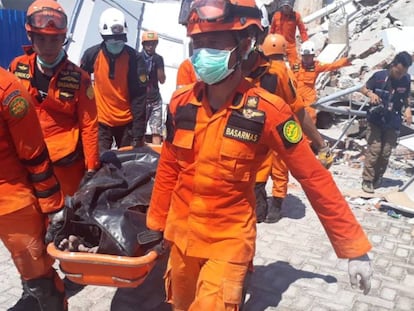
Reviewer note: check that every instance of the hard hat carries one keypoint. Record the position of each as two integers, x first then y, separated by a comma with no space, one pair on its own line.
307,48
219,15
289,3
112,22
46,17
149,36
273,44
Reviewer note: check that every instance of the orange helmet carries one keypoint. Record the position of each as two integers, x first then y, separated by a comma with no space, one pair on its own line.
218,15
46,17
149,36
273,44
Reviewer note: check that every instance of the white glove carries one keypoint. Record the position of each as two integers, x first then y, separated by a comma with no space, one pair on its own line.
360,269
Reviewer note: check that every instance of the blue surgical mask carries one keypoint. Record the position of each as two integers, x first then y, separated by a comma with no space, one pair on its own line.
115,46
212,65
51,65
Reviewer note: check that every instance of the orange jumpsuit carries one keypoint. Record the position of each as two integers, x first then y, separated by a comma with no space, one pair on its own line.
286,25
203,197
185,74
306,78
278,79
67,116
28,187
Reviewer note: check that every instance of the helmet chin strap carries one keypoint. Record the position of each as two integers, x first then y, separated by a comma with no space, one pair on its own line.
45,64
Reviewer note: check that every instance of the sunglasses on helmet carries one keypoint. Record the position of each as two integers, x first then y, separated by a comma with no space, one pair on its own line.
48,17
213,10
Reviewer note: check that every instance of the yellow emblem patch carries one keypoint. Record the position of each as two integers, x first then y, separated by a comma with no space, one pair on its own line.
143,78
89,92
18,107
292,132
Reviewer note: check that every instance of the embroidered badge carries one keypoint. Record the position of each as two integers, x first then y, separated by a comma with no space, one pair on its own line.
22,71
89,92
143,78
292,132
252,102
18,107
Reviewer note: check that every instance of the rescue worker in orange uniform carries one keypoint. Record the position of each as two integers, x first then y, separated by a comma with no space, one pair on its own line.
120,82
285,22
271,73
62,94
308,70
185,74
219,131
29,192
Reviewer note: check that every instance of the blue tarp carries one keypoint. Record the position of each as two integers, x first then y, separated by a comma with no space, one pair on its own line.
12,35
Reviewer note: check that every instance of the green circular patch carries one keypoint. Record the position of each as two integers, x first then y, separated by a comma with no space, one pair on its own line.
292,132
18,107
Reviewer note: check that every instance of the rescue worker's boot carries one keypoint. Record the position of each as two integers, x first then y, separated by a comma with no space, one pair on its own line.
27,302
46,293
261,201
274,212
367,186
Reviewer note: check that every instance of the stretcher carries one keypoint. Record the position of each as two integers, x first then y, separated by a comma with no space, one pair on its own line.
105,269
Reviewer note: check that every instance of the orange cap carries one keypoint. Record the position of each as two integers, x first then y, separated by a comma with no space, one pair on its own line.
149,36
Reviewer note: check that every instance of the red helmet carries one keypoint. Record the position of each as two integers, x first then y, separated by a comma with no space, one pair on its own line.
219,15
46,17
274,44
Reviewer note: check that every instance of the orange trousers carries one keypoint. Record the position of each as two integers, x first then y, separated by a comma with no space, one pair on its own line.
70,176
292,54
277,169
22,232
194,284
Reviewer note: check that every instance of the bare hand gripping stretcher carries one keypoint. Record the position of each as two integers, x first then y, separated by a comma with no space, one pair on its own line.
108,214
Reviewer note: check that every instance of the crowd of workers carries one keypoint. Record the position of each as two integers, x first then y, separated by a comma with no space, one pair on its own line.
241,113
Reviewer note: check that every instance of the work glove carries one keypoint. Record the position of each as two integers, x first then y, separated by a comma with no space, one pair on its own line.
86,178
56,222
153,241
360,270
325,156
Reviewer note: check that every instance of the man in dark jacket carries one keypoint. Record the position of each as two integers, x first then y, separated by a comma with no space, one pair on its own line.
388,91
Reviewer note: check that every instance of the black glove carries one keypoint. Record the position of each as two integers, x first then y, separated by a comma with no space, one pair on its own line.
151,240
56,222
87,177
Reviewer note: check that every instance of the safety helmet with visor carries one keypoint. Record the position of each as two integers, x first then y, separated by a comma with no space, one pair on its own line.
113,25
218,15
289,3
46,17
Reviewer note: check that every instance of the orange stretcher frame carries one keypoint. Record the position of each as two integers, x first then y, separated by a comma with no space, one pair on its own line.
103,269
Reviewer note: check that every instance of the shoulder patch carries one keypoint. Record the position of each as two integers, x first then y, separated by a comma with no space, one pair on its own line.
290,132
18,107
9,97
